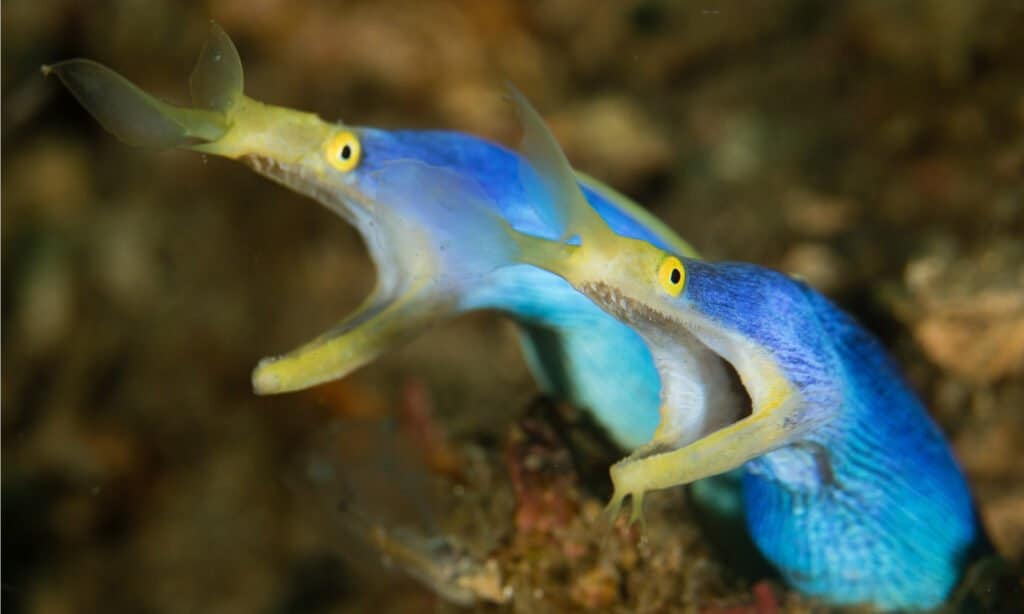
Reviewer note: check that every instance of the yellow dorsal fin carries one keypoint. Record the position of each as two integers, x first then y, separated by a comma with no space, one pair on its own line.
551,183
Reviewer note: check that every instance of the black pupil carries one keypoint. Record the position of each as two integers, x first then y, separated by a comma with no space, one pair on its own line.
346,152
675,276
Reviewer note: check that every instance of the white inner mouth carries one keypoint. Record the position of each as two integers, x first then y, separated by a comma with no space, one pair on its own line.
701,388
701,391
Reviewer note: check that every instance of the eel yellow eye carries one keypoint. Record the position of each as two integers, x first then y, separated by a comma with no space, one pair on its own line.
343,151
672,275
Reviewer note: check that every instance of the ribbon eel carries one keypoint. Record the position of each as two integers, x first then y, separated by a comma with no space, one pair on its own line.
849,488
432,208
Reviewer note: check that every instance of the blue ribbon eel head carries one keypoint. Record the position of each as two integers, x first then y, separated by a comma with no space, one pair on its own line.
429,229
672,301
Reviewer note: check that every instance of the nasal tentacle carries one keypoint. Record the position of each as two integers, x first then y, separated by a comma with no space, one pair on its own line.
132,115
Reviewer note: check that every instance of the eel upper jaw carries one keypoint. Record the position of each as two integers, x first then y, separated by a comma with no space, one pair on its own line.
348,203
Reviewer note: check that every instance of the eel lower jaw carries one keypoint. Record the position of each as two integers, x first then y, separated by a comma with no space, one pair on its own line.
380,324
670,460
407,298
401,307
658,466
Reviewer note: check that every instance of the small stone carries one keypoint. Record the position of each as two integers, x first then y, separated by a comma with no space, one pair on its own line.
736,155
46,311
970,309
541,469
1002,518
815,263
818,215
984,343
485,583
51,178
614,139
596,588
990,450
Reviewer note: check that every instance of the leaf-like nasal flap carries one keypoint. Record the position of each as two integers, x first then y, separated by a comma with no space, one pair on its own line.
216,81
132,115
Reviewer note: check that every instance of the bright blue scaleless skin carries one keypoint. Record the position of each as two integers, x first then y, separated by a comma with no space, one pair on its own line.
874,480
849,487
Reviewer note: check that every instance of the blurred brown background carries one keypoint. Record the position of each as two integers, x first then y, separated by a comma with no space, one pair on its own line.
874,148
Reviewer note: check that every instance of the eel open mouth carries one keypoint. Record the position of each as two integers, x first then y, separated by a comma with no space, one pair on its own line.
702,391
291,147
708,426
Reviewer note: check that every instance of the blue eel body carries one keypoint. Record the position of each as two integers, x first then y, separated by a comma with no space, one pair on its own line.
888,520
870,507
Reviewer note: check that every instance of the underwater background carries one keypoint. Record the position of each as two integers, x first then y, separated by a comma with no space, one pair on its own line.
875,149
